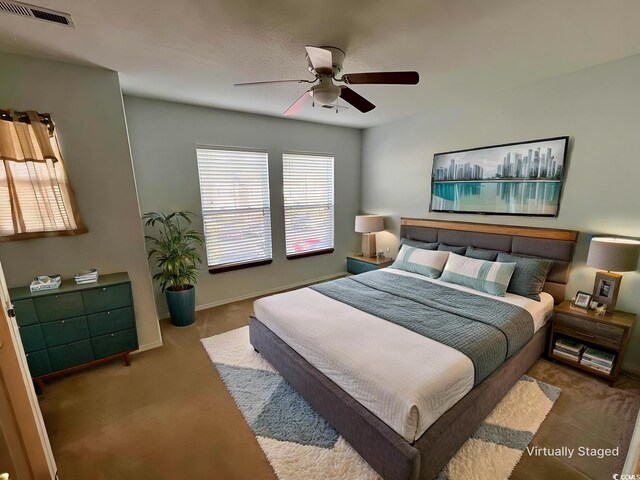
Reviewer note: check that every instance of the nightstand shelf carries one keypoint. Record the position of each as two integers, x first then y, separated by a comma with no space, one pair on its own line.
608,332
359,264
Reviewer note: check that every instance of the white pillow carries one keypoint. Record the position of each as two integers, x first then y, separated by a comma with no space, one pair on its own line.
417,260
481,275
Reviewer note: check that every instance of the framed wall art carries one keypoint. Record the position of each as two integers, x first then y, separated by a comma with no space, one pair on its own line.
523,178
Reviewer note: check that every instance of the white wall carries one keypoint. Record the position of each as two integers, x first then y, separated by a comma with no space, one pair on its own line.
86,106
163,137
599,108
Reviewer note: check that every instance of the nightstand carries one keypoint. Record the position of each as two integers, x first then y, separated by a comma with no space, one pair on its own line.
609,333
359,264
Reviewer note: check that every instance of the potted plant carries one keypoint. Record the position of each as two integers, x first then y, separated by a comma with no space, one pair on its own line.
175,247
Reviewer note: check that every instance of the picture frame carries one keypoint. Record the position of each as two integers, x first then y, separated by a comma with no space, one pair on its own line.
582,299
520,178
606,288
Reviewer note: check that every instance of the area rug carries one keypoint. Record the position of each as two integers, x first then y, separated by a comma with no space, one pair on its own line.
301,445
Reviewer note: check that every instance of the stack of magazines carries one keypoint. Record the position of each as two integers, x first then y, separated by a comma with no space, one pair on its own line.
598,360
568,349
88,276
45,282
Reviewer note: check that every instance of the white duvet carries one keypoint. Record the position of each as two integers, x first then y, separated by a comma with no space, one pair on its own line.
408,381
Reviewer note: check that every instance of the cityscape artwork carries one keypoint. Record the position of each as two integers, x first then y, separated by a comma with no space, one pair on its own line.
515,179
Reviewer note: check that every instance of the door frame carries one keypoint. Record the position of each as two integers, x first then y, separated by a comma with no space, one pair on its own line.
20,416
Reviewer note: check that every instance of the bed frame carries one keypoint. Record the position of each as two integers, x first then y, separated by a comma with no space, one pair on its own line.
387,452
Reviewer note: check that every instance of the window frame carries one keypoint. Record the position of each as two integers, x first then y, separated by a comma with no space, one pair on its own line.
227,267
322,251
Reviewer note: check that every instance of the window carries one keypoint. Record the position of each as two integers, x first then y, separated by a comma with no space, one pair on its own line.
36,199
234,191
308,204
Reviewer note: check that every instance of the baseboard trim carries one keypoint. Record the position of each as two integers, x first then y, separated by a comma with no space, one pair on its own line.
148,346
632,369
270,291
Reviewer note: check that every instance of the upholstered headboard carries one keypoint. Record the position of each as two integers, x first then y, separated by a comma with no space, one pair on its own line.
554,244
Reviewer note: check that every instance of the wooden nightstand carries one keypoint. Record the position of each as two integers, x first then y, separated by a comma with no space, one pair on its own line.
359,264
608,332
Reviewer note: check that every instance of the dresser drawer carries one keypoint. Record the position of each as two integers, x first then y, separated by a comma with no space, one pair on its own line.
59,306
71,355
110,321
588,330
32,338
113,343
25,312
39,363
65,331
106,298
357,266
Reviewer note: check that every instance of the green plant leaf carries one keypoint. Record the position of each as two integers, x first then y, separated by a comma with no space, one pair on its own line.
173,248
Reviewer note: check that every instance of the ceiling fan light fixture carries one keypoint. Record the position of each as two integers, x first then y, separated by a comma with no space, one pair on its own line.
325,63
325,94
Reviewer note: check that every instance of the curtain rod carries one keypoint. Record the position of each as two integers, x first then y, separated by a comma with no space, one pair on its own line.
12,115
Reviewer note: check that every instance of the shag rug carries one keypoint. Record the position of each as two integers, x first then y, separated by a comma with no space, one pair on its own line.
301,445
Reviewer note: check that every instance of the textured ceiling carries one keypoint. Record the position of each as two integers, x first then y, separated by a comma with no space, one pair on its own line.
193,51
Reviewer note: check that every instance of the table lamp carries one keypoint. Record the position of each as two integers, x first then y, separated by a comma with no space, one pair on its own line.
611,254
367,225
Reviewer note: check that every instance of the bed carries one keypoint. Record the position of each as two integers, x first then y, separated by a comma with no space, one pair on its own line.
343,359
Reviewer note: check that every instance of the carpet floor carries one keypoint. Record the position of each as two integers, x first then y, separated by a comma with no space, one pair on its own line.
300,444
169,415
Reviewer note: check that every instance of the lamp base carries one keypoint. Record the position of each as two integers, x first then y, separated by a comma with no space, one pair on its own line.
606,288
368,244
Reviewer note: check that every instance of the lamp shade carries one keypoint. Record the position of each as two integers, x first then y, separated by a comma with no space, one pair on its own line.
614,254
369,223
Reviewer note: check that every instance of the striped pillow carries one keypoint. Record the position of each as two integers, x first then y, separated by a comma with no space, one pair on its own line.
417,260
481,275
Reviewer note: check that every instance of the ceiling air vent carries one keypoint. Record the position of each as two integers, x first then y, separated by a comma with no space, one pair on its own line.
39,13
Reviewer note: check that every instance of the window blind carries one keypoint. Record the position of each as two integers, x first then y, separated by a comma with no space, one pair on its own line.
35,196
308,203
234,191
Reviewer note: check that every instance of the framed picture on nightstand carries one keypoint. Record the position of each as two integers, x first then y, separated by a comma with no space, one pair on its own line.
582,300
606,288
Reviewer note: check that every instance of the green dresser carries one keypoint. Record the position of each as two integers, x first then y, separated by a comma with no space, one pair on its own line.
75,326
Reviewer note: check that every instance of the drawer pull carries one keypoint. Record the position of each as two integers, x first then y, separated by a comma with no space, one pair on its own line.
108,313
113,334
104,289
62,321
586,335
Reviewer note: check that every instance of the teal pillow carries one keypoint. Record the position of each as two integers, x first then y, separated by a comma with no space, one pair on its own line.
419,244
529,276
417,260
481,275
481,254
450,248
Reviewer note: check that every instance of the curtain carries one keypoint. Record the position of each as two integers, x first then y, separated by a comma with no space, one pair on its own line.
36,199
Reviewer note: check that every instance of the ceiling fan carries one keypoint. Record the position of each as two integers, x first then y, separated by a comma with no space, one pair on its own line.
326,63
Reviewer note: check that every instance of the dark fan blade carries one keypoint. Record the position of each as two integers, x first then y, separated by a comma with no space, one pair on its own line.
247,84
297,105
398,78
321,59
356,100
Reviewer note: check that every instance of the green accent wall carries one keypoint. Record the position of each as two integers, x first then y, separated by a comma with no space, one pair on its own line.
163,139
598,107
86,106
